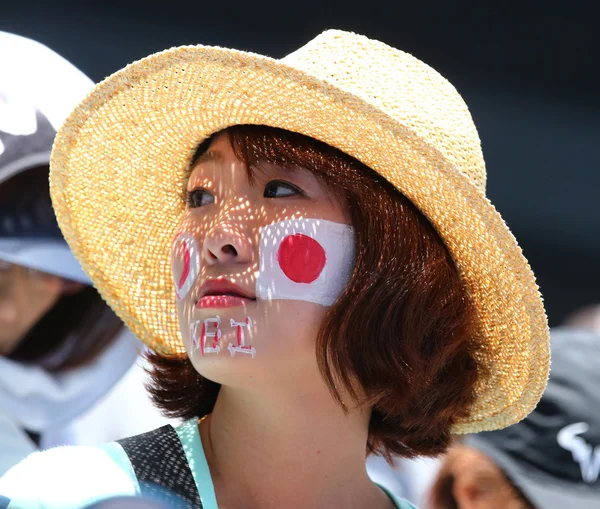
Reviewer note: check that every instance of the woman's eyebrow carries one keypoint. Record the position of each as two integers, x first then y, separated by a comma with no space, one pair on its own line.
208,156
266,165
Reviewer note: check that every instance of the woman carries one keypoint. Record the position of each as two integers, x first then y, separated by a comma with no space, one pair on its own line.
307,247
61,347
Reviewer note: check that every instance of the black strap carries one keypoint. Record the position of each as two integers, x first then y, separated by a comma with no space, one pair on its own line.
162,469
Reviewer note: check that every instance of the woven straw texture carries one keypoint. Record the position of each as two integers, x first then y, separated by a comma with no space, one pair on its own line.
118,161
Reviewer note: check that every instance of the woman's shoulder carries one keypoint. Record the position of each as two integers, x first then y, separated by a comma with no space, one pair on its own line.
67,477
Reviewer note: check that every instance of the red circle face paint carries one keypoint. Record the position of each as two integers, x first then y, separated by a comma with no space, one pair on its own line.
301,258
185,272
306,259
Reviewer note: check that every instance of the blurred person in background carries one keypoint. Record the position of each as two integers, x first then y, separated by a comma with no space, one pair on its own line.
61,347
585,318
551,459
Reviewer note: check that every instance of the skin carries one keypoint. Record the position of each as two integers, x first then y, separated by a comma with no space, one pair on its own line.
276,438
25,297
478,482
587,318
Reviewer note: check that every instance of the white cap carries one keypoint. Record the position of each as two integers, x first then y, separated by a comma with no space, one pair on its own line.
38,90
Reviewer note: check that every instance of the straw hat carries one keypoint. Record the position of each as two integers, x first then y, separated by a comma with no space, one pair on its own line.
118,160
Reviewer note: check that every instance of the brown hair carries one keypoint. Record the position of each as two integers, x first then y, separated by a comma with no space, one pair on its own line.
401,329
80,325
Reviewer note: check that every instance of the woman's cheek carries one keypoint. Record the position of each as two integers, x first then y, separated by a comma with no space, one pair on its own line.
307,260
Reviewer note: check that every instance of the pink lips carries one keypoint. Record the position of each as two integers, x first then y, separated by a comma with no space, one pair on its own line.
221,301
221,293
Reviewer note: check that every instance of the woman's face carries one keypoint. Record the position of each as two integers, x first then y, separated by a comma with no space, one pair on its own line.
25,296
256,262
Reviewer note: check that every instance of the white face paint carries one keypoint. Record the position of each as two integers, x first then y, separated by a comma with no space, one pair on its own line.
205,335
308,260
185,262
241,347
305,259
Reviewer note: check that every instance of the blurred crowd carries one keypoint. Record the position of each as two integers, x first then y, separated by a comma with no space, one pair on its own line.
71,372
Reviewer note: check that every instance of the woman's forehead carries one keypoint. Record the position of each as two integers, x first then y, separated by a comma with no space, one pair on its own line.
213,150
216,164
263,153
210,156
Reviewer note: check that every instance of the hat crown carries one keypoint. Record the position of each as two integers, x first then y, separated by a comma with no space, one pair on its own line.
406,89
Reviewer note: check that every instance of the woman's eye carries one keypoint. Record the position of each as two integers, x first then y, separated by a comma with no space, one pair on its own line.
281,189
198,198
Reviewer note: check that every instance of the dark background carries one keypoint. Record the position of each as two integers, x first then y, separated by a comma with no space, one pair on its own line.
527,70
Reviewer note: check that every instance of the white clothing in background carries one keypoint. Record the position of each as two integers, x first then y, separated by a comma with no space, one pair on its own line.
45,403
126,410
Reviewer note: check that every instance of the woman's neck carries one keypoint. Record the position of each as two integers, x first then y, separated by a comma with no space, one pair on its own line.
299,451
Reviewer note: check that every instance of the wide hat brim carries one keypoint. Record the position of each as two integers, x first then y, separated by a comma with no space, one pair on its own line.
118,163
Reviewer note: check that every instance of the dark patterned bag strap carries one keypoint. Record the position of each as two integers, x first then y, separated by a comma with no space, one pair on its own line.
159,462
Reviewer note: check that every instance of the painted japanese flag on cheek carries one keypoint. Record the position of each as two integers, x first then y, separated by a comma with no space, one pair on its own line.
305,259
185,261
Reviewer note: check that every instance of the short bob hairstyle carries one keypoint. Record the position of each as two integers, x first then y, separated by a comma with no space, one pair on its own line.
80,326
402,327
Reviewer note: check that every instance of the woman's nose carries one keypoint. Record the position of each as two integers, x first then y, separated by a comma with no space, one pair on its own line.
227,243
